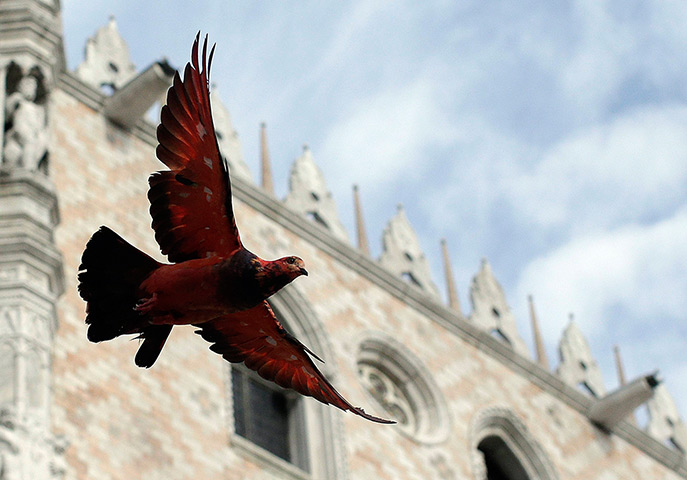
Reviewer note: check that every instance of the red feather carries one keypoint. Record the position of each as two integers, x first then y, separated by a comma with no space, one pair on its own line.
191,203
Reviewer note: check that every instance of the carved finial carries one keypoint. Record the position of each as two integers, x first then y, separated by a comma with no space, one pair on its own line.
451,291
402,255
665,423
107,62
309,195
266,166
621,376
490,310
363,245
619,365
542,358
578,367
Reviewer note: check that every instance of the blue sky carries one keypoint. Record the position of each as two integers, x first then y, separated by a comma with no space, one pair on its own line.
548,137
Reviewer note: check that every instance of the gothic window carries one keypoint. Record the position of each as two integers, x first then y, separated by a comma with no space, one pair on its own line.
503,449
403,388
500,461
8,374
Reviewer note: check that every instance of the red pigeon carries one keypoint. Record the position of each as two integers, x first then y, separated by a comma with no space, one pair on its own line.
214,283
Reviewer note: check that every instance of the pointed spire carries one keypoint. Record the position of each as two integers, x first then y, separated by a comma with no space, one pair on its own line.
621,377
363,244
542,358
619,365
451,291
267,181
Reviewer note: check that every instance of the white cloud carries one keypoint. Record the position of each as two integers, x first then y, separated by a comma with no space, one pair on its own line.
385,134
633,275
609,174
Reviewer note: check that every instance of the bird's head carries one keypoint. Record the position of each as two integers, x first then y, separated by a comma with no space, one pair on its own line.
293,267
272,275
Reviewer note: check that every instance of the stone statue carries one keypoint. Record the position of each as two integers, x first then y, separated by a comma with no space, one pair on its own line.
26,134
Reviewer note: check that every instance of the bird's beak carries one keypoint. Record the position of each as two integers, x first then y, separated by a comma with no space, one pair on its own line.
303,271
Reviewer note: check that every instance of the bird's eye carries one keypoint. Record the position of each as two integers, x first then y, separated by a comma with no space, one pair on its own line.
290,260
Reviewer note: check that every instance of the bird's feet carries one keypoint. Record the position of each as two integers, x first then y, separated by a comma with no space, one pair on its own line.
145,305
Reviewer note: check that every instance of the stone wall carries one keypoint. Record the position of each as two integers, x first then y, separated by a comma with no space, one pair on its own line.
173,421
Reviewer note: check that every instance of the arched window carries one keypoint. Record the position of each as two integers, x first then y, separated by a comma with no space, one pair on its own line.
281,426
503,449
500,461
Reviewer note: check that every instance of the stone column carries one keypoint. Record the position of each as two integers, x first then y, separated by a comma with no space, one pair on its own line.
31,281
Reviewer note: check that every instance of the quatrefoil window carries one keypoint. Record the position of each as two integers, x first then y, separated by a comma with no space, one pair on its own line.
401,386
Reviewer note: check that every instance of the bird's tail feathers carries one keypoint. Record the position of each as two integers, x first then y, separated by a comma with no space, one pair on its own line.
110,274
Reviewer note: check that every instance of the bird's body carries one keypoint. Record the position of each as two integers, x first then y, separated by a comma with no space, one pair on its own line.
213,282
196,291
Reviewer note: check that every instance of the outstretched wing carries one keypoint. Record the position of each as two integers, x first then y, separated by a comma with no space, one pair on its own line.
191,203
256,338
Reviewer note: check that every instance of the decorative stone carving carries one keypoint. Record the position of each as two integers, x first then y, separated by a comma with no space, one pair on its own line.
227,138
108,62
26,452
25,128
665,423
309,196
402,255
403,387
490,310
388,395
577,365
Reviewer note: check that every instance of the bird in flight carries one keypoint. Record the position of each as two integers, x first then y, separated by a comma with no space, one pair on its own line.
213,282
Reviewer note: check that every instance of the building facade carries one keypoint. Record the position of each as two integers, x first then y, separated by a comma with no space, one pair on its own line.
470,400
